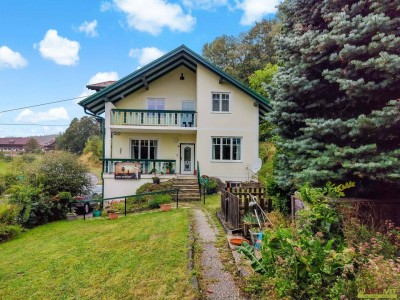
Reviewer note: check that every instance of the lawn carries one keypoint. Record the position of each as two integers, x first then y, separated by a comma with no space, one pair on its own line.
4,166
142,256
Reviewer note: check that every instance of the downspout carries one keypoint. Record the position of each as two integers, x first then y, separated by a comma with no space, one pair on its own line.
102,129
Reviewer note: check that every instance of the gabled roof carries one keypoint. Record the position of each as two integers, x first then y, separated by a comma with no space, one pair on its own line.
182,55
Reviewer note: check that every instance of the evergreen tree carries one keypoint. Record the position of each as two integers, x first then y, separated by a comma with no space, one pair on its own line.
337,97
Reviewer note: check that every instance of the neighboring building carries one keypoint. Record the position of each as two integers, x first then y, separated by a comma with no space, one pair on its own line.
46,142
13,144
171,114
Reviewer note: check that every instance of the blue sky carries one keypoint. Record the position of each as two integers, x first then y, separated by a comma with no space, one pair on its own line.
50,50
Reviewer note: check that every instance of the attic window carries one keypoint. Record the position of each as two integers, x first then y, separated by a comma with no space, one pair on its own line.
11,141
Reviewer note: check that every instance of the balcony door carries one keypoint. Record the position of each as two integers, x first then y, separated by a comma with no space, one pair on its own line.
187,120
187,159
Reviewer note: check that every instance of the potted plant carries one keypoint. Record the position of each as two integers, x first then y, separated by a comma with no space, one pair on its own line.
155,178
164,201
97,210
169,168
112,214
249,222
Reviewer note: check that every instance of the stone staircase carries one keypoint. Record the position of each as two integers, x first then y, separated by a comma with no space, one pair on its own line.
188,188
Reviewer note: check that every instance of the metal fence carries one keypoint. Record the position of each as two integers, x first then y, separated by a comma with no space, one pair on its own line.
124,199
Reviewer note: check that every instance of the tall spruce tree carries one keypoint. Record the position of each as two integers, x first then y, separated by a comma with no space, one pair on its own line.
337,97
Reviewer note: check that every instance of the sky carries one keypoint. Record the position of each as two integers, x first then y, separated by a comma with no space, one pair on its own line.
50,50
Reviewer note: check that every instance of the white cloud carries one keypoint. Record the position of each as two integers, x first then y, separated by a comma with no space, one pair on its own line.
53,114
89,28
11,59
97,78
146,55
204,4
59,49
105,6
254,10
152,15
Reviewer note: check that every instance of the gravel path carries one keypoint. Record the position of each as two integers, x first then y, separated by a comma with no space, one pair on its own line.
219,284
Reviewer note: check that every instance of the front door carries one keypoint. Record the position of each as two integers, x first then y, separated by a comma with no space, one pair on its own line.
187,159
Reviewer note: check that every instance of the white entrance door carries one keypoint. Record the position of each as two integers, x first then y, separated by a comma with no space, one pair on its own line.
187,159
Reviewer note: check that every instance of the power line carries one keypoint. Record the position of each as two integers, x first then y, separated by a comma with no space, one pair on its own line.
42,104
32,125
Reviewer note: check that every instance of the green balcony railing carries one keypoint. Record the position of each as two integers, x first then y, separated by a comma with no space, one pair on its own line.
162,166
136,117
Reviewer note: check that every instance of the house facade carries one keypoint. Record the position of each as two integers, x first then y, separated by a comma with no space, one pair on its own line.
177,116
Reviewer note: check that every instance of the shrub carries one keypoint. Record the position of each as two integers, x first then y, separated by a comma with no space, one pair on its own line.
9,213
151,187
8,232
159,199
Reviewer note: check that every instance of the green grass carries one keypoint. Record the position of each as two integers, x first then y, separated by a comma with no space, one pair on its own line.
142,256
4,166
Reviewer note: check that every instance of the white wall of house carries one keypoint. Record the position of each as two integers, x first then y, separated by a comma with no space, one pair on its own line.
241,121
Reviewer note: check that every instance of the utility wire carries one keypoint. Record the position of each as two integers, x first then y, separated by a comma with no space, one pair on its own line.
31,125
42,104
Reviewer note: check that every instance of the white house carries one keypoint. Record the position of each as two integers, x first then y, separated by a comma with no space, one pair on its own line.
179,115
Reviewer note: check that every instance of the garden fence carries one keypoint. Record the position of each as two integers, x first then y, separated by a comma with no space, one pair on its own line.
124,199
235,203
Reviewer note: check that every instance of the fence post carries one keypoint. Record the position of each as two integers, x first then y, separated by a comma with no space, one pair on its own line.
125,206
177,197
84,211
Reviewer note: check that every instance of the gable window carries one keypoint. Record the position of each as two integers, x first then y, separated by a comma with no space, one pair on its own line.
226,148
221,102
144,149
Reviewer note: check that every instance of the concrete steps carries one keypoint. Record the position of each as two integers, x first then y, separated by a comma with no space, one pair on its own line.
188,188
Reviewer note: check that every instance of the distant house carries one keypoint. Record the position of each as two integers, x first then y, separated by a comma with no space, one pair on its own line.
18,144
13,144
175,115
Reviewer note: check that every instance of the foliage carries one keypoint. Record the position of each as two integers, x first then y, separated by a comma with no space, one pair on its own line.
151,187
62,172
249,218
241,56
32,146
159,199
8,232
9,213
211,186
260,78
328,254
335,95
94,145
77,134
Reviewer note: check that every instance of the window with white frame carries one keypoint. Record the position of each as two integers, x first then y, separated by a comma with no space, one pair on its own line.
155,104
226,148
144,149
221,102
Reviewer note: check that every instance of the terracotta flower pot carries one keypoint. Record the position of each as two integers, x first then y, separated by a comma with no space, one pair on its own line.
165,207
113,216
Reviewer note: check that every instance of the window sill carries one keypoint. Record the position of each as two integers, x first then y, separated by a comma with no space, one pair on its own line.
221,112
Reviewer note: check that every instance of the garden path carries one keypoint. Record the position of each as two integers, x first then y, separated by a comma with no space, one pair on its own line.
218,283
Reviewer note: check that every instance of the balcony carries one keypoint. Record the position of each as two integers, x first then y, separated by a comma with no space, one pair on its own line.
162,166
163,118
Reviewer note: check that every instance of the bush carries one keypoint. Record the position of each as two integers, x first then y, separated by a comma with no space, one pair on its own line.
159,199
9,213
151,187
8,232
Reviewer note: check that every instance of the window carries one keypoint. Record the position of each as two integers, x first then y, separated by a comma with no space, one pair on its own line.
226,148
220,102
156,104
144,149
